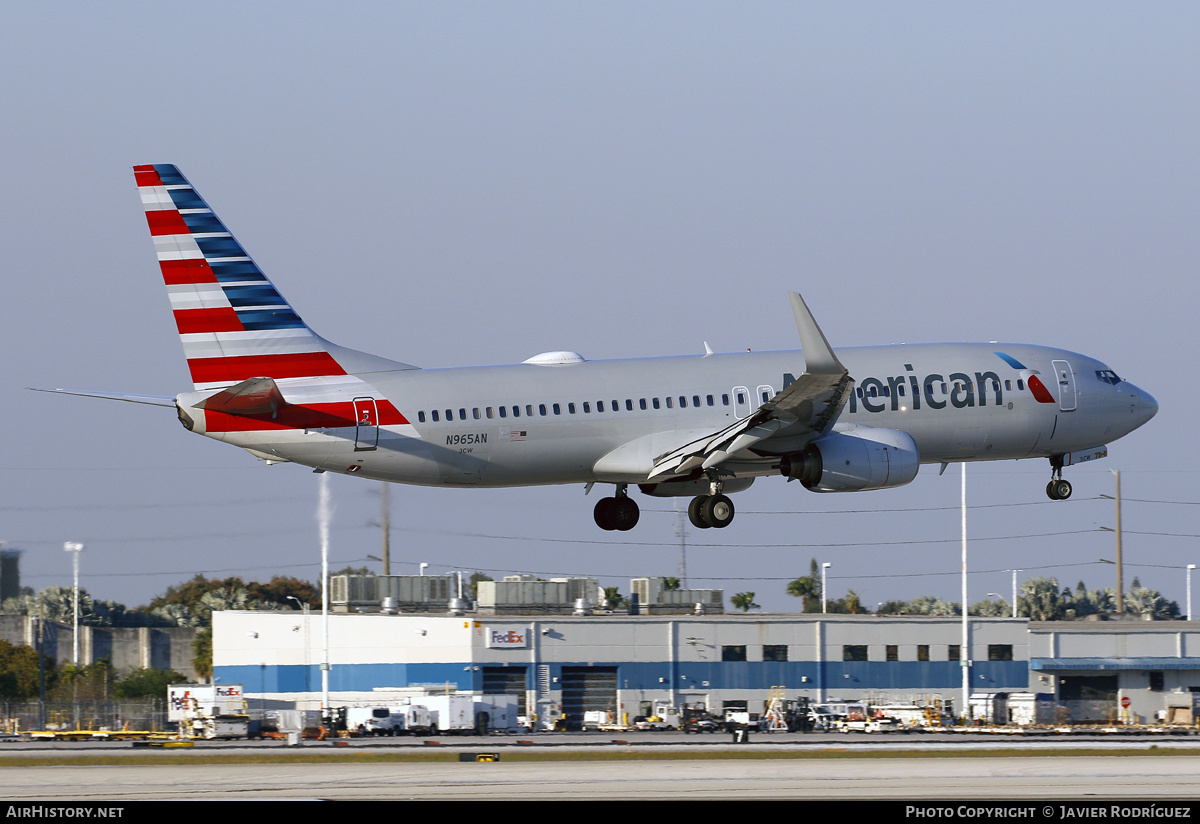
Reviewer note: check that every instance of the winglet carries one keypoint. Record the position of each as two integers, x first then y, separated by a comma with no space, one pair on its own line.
818,355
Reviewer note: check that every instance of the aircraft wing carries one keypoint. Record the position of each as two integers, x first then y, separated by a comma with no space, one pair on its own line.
804,410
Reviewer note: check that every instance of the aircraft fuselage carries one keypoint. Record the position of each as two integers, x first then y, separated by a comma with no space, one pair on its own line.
526,424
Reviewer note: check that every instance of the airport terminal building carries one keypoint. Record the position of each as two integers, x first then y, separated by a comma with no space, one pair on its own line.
571,662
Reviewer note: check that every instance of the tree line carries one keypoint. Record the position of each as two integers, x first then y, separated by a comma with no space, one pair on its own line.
24,678
1039,599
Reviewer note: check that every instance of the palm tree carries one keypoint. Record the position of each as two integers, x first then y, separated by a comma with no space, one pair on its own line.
804,588
744,601
614,598
807,586
202,651
1041,600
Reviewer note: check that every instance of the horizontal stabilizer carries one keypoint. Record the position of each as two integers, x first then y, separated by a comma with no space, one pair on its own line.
152,400
254,396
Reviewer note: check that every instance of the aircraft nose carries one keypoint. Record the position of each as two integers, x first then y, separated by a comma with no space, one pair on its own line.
1144,406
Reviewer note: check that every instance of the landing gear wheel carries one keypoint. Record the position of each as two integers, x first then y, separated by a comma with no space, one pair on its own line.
718,511
625,514
605,513
696,512
1059,490
619,513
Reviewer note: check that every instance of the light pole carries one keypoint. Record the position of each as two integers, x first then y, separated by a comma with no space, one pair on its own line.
324,516
964,651
74,547
1117,531
1190,567
385,504
1118,566
824,568
1120,578
1014,600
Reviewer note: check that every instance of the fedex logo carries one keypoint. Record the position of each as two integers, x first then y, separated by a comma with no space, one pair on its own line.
507,639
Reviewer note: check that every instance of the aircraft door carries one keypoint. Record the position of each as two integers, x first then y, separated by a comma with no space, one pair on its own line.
366,430
741,401
1065,377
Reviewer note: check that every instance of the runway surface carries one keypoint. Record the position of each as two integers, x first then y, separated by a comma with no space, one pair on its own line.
846,779
663,770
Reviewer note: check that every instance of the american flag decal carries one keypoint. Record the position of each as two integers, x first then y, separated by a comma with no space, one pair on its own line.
517,435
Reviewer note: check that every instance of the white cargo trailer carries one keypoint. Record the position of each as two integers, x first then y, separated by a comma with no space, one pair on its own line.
496,713
450,713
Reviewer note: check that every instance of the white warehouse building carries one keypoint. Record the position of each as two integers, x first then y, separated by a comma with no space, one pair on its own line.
567,664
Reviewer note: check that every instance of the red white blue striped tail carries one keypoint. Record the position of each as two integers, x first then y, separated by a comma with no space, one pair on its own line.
232,320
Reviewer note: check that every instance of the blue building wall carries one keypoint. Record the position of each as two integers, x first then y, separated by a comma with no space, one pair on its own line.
716,675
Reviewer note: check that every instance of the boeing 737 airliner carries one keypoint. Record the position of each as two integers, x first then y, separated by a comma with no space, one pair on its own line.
701,426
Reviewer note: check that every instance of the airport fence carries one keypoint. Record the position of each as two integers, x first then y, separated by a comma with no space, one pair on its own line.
26,716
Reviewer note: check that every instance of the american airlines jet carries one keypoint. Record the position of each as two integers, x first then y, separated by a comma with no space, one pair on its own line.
701,426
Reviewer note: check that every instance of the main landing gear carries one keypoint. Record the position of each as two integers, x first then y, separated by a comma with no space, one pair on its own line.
617,513
710,511
1057,489
715,510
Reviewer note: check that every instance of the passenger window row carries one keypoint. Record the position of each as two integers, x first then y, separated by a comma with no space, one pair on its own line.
543,410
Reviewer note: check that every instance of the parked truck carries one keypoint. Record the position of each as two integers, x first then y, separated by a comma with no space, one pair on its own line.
698,719
369,721
411,719
496,713
863,718
208,710
454,714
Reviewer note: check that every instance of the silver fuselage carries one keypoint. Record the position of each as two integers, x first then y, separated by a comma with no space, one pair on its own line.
606,421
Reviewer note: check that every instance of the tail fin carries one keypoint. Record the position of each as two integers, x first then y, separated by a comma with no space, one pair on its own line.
232,321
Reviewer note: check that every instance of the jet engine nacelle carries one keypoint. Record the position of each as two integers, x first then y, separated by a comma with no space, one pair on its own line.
860,458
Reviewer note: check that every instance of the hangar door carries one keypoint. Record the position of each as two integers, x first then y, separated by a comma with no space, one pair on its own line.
587,689
506,681
1088,697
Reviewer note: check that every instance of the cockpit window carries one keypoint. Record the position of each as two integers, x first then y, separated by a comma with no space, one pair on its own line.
1108,376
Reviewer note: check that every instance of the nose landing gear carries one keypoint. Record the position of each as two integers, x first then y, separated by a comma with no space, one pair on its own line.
1058,489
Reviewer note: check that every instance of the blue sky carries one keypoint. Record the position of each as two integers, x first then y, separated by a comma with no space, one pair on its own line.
461,183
